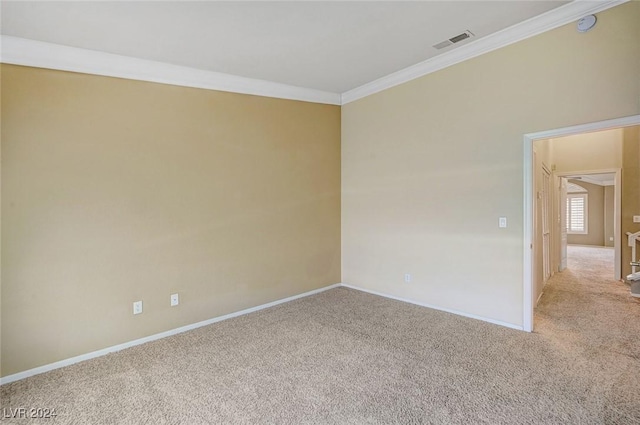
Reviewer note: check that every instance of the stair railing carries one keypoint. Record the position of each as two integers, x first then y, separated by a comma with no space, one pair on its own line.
632,241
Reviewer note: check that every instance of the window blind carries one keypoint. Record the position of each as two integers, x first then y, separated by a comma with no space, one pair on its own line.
577,213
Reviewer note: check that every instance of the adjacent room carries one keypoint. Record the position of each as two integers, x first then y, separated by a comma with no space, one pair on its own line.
319,212
579,200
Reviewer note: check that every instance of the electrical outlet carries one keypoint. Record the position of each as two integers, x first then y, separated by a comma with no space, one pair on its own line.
137,307
175,300
407,278
636,218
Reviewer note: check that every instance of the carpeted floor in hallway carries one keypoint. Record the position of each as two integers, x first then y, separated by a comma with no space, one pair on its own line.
348,357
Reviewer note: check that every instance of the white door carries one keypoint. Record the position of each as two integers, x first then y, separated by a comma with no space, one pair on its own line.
562,221
546,215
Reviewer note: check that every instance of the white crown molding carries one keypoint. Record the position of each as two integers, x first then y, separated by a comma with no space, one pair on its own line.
547,21
21,51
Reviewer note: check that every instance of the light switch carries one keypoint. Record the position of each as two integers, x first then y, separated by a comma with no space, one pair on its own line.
502,222
636,218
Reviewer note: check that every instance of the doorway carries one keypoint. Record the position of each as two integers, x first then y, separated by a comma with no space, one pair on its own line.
569,202
530,191
591,202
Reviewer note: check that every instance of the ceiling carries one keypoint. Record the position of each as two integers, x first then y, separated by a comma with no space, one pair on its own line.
603,179
329,46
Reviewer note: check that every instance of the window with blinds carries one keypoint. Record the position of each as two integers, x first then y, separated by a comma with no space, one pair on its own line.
577,213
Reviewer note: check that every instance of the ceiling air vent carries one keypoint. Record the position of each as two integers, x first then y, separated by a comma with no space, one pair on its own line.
453,40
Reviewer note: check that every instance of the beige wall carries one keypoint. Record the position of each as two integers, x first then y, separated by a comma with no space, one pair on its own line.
609,219
543,152
115,191
630,191
430,165
595,216
588,151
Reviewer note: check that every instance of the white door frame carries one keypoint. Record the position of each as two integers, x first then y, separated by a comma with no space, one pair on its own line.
548,217
527,323
562,223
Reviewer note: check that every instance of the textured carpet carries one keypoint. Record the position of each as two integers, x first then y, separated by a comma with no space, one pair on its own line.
345,357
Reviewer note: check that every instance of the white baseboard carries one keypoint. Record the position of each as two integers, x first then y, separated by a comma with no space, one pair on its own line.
459,313
62,363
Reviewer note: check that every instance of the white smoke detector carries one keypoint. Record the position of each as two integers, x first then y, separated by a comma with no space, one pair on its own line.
586,23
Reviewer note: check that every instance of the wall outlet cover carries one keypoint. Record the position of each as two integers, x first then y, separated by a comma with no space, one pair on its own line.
137,307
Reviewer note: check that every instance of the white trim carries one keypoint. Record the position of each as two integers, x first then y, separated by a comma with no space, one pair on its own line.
527,269
603,183
62,363
617,225
528,140
448,310
67,362
562,15
585,128
21,51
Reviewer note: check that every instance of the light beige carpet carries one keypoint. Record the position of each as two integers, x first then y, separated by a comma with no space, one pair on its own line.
347,357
